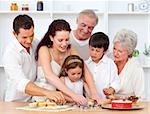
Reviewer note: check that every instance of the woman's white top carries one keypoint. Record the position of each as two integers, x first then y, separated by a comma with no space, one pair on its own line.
41,81
77,86
105,74
132,79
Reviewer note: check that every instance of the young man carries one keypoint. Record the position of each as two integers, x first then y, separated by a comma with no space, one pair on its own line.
79,38
20,65
102,68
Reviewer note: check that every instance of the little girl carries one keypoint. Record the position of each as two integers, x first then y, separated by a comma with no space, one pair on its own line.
71,74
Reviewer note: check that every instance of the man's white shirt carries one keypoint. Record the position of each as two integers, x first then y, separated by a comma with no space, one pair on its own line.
20,69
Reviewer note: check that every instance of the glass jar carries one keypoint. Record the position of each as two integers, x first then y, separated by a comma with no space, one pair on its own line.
25,7
130,7
14,7
40,6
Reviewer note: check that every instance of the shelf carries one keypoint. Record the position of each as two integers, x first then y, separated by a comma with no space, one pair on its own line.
25,12
1,65
65,12
146,66
73,12
128,13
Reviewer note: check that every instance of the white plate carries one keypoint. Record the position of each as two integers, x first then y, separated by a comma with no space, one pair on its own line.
134,107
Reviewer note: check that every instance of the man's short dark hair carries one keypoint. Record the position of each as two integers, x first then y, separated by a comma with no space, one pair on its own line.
22,21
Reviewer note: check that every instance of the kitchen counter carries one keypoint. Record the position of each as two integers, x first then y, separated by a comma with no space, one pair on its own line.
10,108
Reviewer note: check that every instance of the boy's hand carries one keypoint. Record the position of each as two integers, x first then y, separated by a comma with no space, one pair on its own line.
108,91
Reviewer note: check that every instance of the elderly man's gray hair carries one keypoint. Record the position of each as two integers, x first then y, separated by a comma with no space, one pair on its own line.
89,13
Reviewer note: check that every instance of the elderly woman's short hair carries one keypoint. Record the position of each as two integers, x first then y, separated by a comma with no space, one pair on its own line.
128,40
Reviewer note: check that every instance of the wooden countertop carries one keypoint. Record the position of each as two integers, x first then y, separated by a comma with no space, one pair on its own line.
10,108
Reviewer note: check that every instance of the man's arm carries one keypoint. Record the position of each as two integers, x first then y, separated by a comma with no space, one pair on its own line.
35,90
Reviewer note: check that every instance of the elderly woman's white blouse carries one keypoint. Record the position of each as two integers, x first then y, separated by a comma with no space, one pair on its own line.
132,79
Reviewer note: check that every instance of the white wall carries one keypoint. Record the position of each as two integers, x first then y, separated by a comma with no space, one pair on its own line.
2,84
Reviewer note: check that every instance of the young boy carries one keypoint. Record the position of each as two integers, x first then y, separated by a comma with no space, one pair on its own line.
102,68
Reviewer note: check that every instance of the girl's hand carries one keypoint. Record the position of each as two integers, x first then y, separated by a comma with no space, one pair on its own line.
79,99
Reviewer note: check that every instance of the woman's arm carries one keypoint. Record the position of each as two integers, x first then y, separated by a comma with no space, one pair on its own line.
44,61
86,88
91,85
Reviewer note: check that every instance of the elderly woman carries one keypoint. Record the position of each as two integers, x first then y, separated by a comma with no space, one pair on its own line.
130,72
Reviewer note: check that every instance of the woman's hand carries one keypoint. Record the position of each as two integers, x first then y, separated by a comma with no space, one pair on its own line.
56,96
79,99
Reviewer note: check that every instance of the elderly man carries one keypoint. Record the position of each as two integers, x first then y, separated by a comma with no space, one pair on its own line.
79,38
